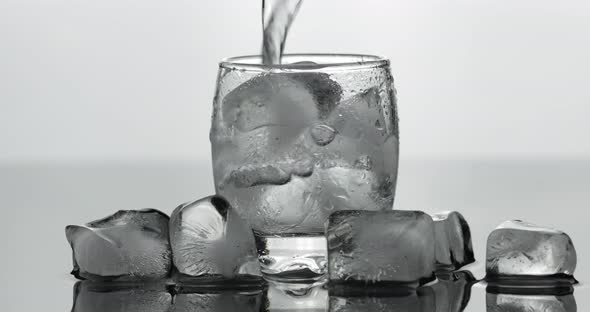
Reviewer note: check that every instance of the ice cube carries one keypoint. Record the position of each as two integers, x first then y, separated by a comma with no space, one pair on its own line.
387,246
129,245
352,188
296,297
519,249
360,117
295,205
217,301
453,241
249,175
326,92
291,101
278,173
527,303
210,241
90,297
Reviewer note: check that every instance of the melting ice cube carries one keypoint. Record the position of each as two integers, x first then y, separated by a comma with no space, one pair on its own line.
91,297
518,248
128,245
453,241
210,240
387,246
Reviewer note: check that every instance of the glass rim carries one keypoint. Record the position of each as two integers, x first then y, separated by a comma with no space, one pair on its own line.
344,61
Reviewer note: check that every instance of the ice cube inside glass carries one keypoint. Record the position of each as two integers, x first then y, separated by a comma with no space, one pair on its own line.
293,143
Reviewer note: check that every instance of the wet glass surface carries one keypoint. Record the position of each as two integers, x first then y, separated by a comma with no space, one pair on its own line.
40,199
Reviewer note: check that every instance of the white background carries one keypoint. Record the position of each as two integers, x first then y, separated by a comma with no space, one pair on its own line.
134,79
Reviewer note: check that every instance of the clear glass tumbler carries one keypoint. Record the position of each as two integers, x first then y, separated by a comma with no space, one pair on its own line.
293,143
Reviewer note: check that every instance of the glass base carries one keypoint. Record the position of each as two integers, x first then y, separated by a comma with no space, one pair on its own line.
293,257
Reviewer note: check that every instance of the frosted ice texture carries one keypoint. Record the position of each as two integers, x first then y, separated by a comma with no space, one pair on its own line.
128,245
518,248
210,240
387,246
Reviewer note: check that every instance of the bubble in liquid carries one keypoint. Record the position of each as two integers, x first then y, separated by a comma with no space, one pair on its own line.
323,134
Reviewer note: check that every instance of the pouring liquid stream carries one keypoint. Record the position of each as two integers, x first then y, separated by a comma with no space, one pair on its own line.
277,17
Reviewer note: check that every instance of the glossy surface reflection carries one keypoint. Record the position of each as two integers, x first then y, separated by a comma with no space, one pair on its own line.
526,303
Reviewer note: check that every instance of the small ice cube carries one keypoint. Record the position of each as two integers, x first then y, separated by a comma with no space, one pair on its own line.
528,303
248,175
453,241
210,241
387,246
217,301
517,248
278,173
129,245
92,297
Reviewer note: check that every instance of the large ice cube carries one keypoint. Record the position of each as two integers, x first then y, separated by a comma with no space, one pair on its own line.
291,101
388,246
296,297
210,241
299,204
128,245
528,303
453,241
217,301
517,248
91,297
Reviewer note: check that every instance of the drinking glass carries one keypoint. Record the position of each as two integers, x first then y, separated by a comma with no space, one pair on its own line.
292,143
